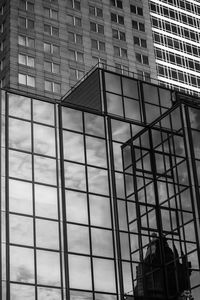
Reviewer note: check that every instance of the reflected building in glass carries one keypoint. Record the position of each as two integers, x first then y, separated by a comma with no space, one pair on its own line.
100,193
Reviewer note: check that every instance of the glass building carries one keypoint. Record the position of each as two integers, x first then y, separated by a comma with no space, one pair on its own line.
100,193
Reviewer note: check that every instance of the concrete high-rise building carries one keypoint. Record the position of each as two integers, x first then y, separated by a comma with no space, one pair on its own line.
47,45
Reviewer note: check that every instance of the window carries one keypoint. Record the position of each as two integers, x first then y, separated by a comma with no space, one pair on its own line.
51,30
76,56
75,4
99,60
76,74
51,13
117,34
140,42
75,38
51,48
95,11
2,45
120,52
96,27
2,27
73,20
2,65
52,86
26,80
121,69
26,23
144,75
26,60
26,41
117,3
98,45
138,25
136,10
117,18
51,67
26,5
143,59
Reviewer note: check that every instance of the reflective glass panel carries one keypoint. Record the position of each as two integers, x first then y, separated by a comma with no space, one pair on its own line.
100,214
45,170
75,176
132,109
76,295
76,207
44,140
43,112
19,106
104,275
21,264
73,146
46,201
102,242
72,119
47,234
114,104
20,196
94,125
21,230
78,239
19,134
130,88
48,268
113,83
20,165
98,181
96,152
22,292
77,278
48,293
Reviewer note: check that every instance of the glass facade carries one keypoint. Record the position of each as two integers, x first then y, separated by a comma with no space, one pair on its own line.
88,195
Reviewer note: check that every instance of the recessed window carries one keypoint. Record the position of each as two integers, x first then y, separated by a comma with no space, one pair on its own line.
100,60
138,25
117,3
117,34
26,80
26,60
26,23
136,10
98,45
143,59
52,67
52,86
74,21
51,30
75,38
51,13
76,74
121,69
117,18
118,51
26,41
51,48
75,4
26,5
76,56
96,27
95,11
140,42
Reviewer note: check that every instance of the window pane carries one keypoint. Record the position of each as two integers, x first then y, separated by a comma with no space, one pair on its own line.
102,206
114,104
46,201
78,239
44,146
96,152
22,292
21,230
77,278
76,207
104,275
72,142
47,234
102,242
20,196
48,268
98,181
43,112
45,170
75,176
22,264
48,294
20,165
19,134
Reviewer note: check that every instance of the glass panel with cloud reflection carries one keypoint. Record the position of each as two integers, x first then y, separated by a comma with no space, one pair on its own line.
72,119
100,214
47,234
75,176
76,207
105,297
22,292
19,134
113,83
44,140
21,230
48,293
94,125
98,181
19,106
114,104
127,278
78,239
48,268
130,87
20,165
104,275
73,146
21,264
45,170
77,278
46,201
76,295
96,152
102,242
43,112
20,196
132,109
